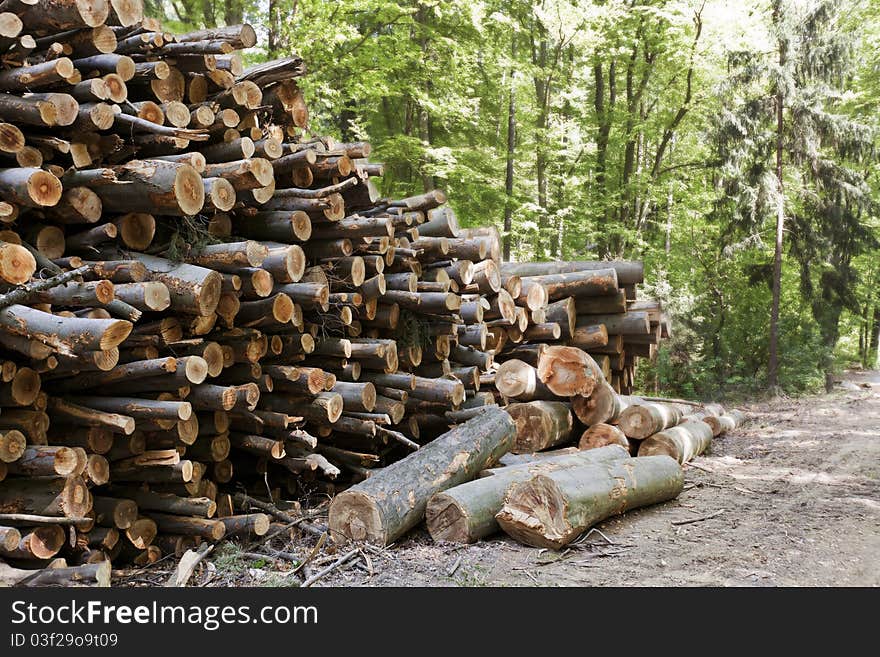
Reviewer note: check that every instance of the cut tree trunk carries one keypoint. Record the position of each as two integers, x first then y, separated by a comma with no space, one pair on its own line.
392,501
568,371
97,574
629,272
68,335
516,379
466,513
682,442
551,510
602,405
642,420
576,284
193,289
540,425
46,497
600,435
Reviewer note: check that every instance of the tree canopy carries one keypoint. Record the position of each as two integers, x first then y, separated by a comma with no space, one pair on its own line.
692,134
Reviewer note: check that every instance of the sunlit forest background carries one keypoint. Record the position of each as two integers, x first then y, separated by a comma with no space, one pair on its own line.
680,132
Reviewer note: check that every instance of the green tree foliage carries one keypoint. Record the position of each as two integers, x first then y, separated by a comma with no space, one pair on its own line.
628,128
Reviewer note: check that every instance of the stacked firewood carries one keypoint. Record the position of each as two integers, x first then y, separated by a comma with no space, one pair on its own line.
596,309
207,309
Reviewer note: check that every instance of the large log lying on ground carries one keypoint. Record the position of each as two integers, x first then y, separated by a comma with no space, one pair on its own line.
466,513
386,505
551,510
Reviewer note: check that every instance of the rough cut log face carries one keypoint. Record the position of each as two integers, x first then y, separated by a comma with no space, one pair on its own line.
551,510
30,187
466,513
17,264
567,371
540,425
600,435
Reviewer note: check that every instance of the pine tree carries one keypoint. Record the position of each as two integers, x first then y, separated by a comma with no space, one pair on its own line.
790,151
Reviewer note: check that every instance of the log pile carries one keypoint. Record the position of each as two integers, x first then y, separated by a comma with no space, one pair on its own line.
206,308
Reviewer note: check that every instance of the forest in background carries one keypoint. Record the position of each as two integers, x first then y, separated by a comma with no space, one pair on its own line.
730,144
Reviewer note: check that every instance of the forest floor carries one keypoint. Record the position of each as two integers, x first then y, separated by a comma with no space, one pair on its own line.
790,499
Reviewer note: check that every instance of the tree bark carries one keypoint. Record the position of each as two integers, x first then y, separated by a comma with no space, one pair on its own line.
466,513
551,510
46,497
682,442
392,501
540,425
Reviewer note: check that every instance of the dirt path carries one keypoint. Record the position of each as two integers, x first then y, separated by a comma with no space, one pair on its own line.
800,492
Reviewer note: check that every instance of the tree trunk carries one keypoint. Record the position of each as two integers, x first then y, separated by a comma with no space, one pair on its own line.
551,510
600,435
212,530
540,425
152,501
194,289
68,335
466,513
603,405
629,272
48,461
682,442
773,364
646,418
518,380
611,304
251,524
385,506
568,371
630,323
563,313
511,150
589,337
46,497
89,574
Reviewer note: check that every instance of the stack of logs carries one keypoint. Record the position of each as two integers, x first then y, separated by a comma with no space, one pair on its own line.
205,305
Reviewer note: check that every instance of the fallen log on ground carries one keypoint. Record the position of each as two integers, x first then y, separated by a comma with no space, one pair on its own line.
386,505
551,510
466,513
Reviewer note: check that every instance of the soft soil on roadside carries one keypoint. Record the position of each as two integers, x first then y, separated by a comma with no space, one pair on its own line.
794,497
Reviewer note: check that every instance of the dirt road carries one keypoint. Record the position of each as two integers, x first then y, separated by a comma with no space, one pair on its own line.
795,500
